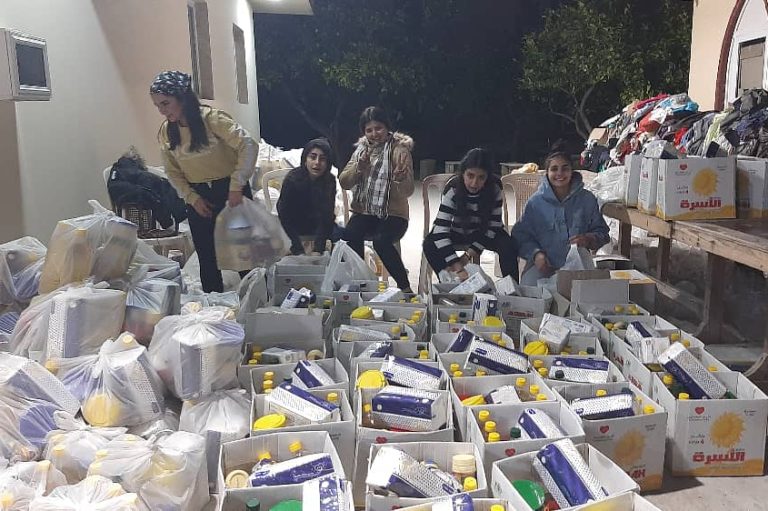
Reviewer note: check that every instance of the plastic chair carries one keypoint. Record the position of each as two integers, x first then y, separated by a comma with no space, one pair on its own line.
522,186
279,175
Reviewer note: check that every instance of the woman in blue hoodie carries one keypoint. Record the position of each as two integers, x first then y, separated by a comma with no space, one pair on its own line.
560,214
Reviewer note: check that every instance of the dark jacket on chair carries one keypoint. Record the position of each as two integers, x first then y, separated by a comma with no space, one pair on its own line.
306,206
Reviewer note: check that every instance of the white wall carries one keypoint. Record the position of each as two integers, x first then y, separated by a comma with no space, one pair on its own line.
103,54
752,24
710,19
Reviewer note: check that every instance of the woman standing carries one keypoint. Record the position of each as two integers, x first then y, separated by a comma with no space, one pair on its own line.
559,214
208,159
307,198
470,215
380,174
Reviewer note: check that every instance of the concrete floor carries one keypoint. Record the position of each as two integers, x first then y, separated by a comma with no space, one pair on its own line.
689,493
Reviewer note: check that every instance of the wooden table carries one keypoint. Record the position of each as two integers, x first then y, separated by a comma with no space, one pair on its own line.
743,241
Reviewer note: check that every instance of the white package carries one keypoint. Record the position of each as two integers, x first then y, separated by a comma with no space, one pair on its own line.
21,262
199,352
94,493
26,480
148,300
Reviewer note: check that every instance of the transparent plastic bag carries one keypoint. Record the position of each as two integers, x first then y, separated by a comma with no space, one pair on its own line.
253,293
608,186
73,446
345,265
248,236
167,472
223,416
578,258
228,299
95,493
198,352
168,423
148,300
21,262
26,480
100,245
117,387
70,322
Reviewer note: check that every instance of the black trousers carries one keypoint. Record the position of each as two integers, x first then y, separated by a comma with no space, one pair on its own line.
503,244
384,232
215,192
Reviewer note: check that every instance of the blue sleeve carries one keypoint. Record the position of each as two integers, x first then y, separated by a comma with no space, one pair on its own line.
524,232
597,225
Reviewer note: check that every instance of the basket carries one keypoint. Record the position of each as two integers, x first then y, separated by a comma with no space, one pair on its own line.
145,221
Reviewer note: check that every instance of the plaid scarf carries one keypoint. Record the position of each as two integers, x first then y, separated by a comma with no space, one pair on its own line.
372,191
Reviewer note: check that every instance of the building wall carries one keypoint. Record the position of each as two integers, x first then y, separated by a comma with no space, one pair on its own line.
710,19
102,54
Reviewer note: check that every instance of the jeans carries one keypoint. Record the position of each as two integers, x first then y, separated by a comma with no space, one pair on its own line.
384,232
503,244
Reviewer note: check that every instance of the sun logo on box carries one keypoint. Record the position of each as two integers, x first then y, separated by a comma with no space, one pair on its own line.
629,449
705,182
726,431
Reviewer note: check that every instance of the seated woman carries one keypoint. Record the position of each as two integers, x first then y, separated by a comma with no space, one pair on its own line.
380,175
470,215
559,214
307,198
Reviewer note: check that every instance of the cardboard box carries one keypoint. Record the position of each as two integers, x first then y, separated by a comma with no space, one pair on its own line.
506,416
342,433
477,505
439,342
330,365
632,164
530,302
441,325
365,437
614,373
275,324
751,187
347,301
623,502
268,497
565,279
611,477
642,288
649,178
342,350
244,369
283,277
361,365
398,313
656,322
474,385
438,452
718,437
636,444
602,297
696,189
529,332
243,454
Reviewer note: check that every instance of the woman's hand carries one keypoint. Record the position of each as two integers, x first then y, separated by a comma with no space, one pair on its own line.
583,240
364,162
235,198
541,262
203,208
458,269
401,167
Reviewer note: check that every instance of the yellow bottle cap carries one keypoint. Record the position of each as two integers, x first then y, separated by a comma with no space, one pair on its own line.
295,447
533,389
101,411
267,391
494,436
52,366
683,396
475,400
332,397
451,320
268,384
371,379
489,426
686,343
43,466
410,321
264,456
7,499
315,355
712,369
480,372
458,374
453,316
100,454
492,321
583,353
424,355
483,415
269,375
94,468
543,372
367,408
608,326
649,409
495,337
520,382
253,362
541,397
454,368
667,379
502,343
674,336
618,309
497,507
538,363
601,393
128,339
255,349
470,484
237,479
471,323
269,421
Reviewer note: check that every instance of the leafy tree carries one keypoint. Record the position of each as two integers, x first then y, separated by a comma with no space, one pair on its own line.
593,56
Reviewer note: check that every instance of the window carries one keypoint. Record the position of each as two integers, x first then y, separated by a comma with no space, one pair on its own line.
751,65
200,46
240,65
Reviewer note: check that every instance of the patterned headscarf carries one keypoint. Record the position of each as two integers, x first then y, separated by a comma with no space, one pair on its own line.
171,83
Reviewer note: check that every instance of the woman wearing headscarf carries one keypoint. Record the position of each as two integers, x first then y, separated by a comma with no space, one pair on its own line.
208,158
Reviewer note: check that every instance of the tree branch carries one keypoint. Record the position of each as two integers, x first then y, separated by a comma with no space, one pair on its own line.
315,124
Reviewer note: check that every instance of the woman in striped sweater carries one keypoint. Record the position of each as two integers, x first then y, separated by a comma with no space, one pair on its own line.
470,216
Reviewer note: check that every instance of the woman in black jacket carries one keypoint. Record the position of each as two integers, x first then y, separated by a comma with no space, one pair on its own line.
307,198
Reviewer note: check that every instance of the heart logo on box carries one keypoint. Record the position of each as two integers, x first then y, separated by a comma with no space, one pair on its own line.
699,410
345,297
510,452
604,429
381,440
683,166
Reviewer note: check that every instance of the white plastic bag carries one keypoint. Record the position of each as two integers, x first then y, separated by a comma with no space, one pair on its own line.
100,245
116,387
148,300
247,236
578,258
93,493
72,447
345,265
198,352
29,397
168,423
167,472
24,481
223,416
253,293
21,262
608,185
70,322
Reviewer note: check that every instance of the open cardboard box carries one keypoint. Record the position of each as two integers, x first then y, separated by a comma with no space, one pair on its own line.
366,437
642,288
614,373
507,416
566,278
577,343
283,277
363,364
276,324
439,343
477,505
331,366
342,350
635,443
629,501
347,301
530,302
396,313
600,297
243,454
474,385
504,472
342,433
302,343
440,453
441,324
716,437
657,323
